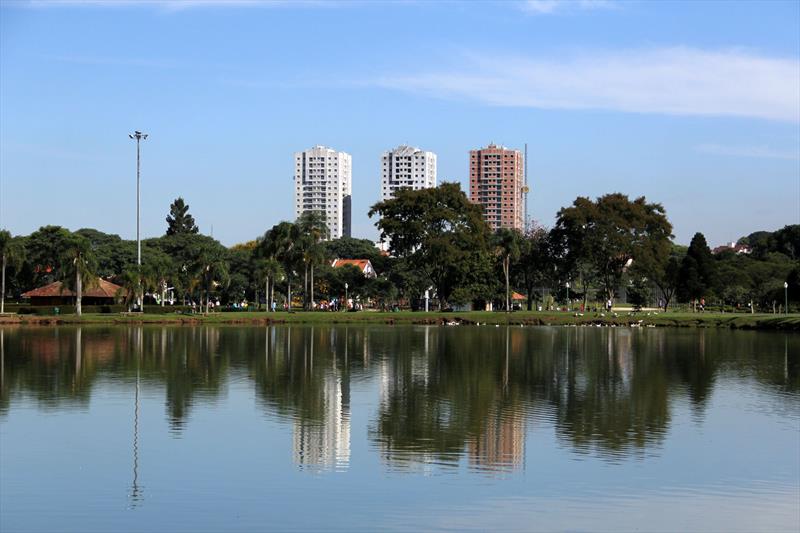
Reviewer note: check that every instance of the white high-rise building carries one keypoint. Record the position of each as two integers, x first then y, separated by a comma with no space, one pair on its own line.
323,182
407,167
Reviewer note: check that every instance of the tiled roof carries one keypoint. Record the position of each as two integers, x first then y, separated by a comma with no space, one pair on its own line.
103,289
360,263
517,296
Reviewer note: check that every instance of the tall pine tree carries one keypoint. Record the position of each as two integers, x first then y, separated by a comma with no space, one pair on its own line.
179,220
698,270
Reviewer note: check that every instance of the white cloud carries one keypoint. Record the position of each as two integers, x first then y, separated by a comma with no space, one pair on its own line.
676,81
748,151
548,7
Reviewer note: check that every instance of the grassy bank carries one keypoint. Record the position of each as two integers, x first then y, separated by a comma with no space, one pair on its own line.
708,320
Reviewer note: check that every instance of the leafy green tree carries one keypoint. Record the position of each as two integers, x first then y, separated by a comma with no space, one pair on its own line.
613,233
179,220
13,256
113,254
537,262
350,248
439,231
787,241
639,292
44,250
186,251
77,267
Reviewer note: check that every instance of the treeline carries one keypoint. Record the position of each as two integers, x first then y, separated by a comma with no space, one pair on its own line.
439,242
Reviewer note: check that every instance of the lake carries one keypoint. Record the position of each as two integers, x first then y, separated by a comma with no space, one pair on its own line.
398,428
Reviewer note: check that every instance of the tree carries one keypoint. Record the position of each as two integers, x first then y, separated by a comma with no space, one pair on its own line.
281,243
507,248
350,248
77,267
536,264
179,220
313,230
268,271
133,281
13,256
638,292
613,233
698,270
44,249
211,269
666,276
440,232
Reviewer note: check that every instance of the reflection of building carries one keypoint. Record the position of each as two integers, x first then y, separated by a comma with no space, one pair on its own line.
501,445
326,443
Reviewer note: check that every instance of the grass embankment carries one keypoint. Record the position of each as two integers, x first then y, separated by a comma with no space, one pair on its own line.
529,318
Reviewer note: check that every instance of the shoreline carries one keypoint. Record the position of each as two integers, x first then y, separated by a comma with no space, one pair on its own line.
519,318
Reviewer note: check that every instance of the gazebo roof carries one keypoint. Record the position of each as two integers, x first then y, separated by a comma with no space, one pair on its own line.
102,289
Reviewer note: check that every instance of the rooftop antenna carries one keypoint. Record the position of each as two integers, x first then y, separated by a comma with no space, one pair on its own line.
525,191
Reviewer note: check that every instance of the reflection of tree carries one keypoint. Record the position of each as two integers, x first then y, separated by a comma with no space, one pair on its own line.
438,400
53,365
445,392
304,374
615,395
194,367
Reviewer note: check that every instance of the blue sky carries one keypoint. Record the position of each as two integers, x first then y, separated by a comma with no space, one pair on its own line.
694,105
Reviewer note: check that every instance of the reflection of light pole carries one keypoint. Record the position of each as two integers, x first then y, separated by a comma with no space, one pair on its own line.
135,495
786,295
345,296
139,136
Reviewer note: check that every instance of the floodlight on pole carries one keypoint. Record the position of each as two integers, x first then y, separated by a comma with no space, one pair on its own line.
786,295
139,136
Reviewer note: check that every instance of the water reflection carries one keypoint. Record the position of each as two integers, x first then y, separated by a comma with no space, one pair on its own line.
443,395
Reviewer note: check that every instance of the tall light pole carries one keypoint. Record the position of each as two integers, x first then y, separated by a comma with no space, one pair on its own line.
139,136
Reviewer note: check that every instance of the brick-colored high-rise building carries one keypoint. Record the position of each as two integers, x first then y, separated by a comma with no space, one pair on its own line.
496,181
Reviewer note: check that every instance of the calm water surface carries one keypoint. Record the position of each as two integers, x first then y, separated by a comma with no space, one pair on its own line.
400,428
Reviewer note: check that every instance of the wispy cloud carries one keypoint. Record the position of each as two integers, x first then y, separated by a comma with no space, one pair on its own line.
677,81
548,7
748,151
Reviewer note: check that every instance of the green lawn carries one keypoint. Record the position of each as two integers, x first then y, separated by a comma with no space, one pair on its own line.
624,318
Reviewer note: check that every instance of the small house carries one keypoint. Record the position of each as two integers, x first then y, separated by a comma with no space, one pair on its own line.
364,265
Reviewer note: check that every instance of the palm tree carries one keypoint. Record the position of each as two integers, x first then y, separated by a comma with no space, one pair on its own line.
507,246
282,244
211,269
129,287
313,229
13,255
77,266
159,270
268,271
136,280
